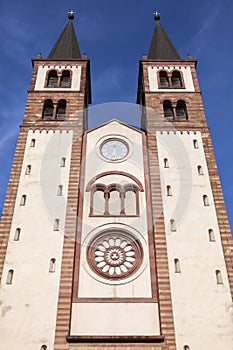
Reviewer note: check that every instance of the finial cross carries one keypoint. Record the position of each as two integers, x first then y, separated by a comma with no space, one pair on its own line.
156,16
71,14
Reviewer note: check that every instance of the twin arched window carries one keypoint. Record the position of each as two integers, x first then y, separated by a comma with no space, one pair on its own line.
48,110
65,79
61,109
168,110
170,80
114,200
163,79
176,112
58,80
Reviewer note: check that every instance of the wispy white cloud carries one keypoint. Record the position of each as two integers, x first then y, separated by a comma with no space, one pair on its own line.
15,39
6,136
207,26
212,20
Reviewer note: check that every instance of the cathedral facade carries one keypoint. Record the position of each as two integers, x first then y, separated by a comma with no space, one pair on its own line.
115,237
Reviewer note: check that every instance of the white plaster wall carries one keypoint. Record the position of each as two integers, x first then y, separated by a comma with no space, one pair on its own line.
203,312
112,319
75,81
186,72
29,305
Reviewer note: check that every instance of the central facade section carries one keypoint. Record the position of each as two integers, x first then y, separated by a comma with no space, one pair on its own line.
115,274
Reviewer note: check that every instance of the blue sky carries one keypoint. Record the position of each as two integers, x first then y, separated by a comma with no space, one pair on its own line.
115,34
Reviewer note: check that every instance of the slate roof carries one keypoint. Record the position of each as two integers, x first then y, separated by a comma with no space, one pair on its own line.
66,46
161,47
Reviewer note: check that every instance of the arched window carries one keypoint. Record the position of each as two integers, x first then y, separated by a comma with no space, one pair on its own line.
60,190
199,170
205,200
56,225
23,200
17,234
195,144
52,265
169,191
181,110
61,109
48,110
168,110
130,201
165,162
10,275
43,347
177,266
52,79
173,225
63,162
186,347
219,277
163,79
98,205
211,235
176,80
28,170
114,202
32,143
65,79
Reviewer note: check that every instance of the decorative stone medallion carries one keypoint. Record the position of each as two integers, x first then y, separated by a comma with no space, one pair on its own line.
114,255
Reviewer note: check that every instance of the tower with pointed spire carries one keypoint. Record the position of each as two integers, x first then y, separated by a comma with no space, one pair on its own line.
115,238
41,201
194,243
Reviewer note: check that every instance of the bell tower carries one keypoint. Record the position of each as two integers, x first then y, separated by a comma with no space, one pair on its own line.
191,229
40,211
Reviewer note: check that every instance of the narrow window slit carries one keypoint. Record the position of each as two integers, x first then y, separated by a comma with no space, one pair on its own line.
200,170
173,225
211,235
23,200
10,275
56,225
206,201
17,234
28,170
166,164
195,144
32,143
177,266
63,162
169,191
52,265
219,277
60,190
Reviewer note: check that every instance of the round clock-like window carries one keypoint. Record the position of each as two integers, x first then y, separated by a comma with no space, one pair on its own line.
114,149
114,255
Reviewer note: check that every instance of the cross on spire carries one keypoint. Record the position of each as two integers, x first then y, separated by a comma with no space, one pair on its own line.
156,16
71,14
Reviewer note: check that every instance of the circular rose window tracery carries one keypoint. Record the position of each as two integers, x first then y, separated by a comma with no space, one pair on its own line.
114,255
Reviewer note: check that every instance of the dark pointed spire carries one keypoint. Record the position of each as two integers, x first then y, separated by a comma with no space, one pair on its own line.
66,46
161,47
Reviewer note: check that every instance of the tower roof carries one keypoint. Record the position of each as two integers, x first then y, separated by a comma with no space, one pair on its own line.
161,47
66,46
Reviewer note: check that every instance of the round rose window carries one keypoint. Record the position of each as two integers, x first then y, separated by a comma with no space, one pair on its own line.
114,255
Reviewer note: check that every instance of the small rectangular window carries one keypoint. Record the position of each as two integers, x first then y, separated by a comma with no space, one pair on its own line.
63,162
